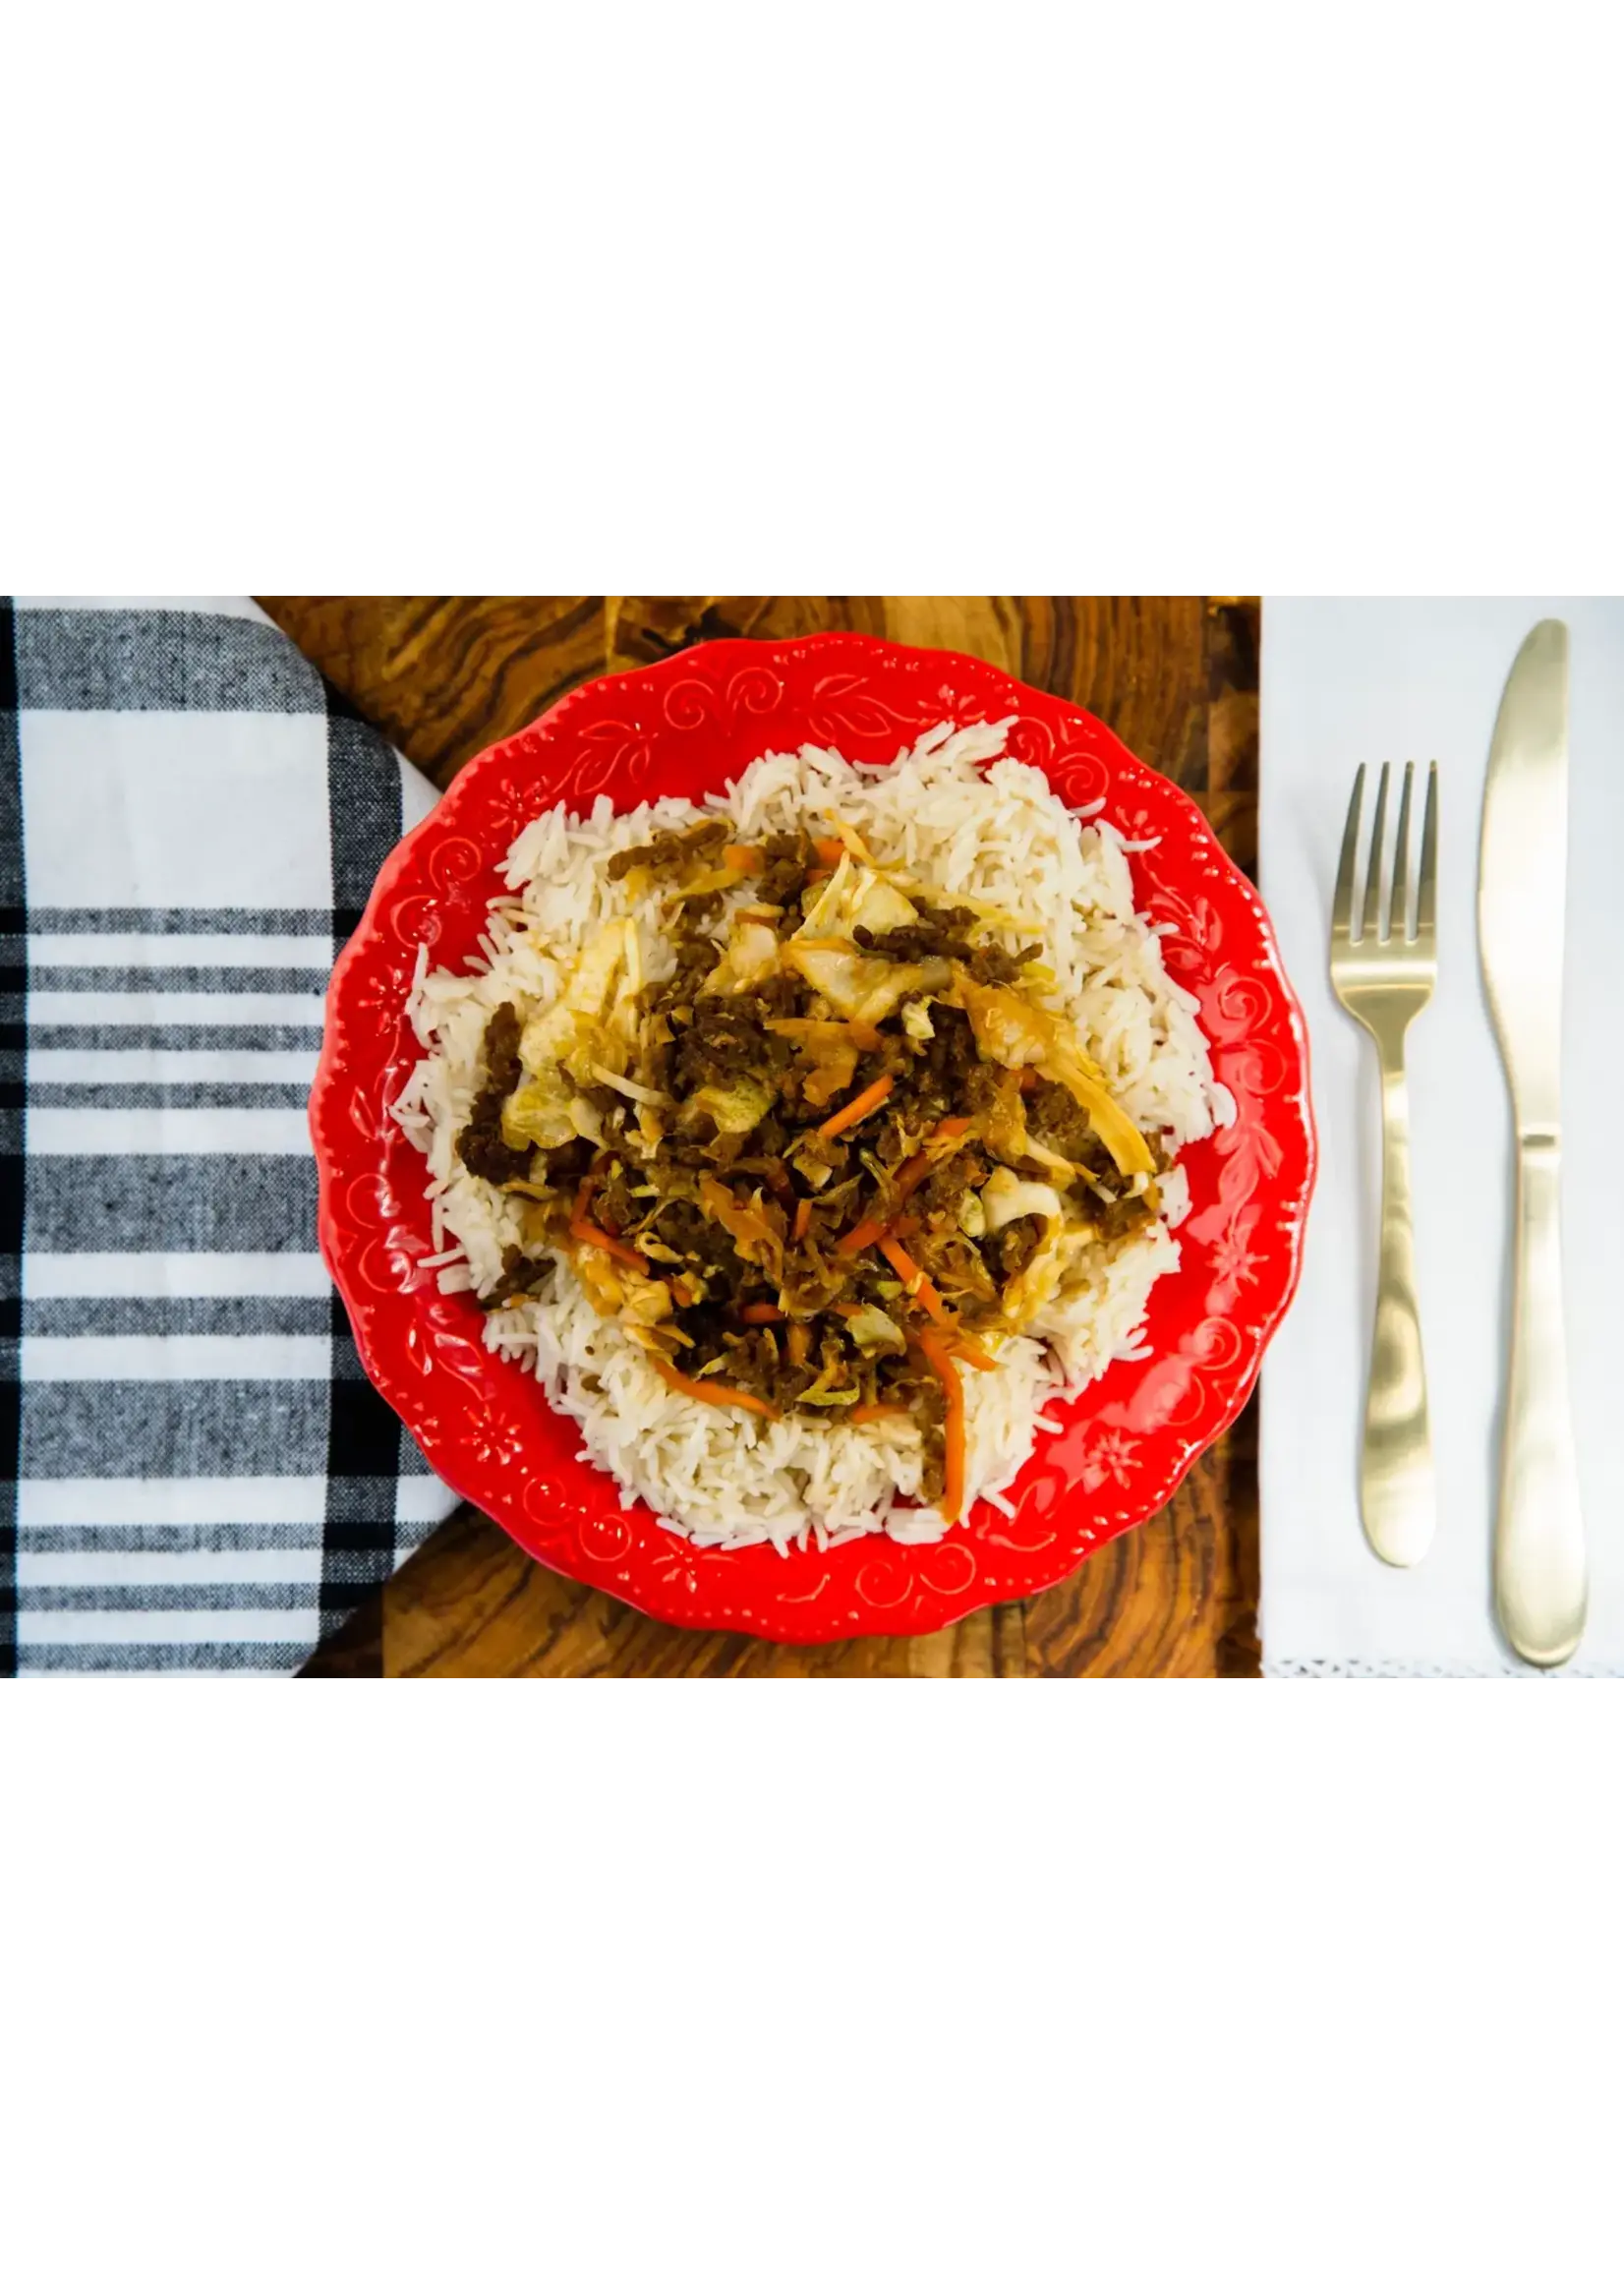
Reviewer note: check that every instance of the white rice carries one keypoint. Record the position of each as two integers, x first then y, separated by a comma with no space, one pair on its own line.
994,832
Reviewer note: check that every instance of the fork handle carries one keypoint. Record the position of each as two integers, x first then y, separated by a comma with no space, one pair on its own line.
1397,1492
1540,1585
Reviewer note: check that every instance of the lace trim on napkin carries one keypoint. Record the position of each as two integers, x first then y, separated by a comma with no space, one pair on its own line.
1425,1670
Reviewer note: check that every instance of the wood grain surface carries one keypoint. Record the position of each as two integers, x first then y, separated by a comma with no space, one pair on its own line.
1177,678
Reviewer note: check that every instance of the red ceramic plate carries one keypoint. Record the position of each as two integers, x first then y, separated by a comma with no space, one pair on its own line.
680,729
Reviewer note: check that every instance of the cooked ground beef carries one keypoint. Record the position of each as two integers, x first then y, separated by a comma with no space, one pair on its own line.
938,932
725,1042
995,966
1122,1213
671,848
960,1173
783,996
787,857
697,1239
1055,1118
522,1274
948,1075
567,1163
924,1394
770,1137
815,1153
480,1146
615,1206
1011,1250
753,1361
946,932
697,957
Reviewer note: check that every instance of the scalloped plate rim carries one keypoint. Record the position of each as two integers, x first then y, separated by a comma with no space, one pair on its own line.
327,1083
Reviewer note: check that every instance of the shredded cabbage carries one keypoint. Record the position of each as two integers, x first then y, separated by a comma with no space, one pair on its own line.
1005,1196
736,1106
871,1329
538,1112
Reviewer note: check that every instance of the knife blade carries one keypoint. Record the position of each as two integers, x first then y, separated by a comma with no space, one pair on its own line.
1540,1564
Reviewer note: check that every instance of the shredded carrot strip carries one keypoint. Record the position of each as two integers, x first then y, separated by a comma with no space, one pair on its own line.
908,1179
742,859
828,850
877,1413
582,1227
861,1106
973,1355
711,1394
849,839
846,1309
683,1296
761,1314
940,1360
865,1234
918,1287
800,1339
913,1173
596,1237
803,1220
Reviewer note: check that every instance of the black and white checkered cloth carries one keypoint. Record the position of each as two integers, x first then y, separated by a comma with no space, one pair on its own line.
194,1475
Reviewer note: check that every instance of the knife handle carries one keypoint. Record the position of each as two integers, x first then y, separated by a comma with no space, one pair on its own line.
1396,1488
1539,1583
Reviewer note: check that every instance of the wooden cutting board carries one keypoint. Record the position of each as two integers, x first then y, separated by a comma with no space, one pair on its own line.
1178,680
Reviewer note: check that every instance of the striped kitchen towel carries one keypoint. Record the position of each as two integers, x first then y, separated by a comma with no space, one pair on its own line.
195,1474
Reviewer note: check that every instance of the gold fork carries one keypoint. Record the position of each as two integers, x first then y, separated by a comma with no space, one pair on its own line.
1382,980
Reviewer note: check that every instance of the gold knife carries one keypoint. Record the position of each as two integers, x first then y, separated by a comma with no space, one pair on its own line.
1540,1585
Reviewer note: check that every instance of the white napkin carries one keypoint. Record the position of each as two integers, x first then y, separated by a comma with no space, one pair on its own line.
1372,680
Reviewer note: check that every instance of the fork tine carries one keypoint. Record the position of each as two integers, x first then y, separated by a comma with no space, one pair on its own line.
1426,905
1369,923
1342,906
1398,900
